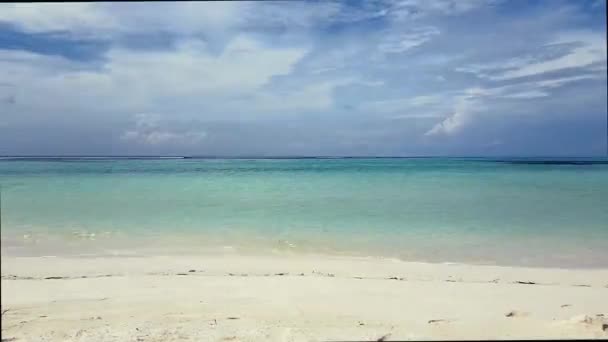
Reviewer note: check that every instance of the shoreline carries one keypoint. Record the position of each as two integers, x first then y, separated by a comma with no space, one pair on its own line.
300,255
90,245
294,298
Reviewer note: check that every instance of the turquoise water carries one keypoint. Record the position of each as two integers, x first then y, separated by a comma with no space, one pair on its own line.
433,209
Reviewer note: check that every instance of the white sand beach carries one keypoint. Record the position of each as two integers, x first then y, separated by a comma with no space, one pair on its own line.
293,298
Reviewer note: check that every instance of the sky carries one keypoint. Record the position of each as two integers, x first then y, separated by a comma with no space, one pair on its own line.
304,78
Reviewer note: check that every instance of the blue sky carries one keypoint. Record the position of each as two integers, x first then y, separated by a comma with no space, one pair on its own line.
379,77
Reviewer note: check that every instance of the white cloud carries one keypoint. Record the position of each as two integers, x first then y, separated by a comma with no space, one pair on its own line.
244,65
590,48
457,120
531,94
488,70
33,17
463,109
534,89
135,81
298,14
377,83
316,96
475,100
234,61
402,42
333,59
112,18
107,19
149,131
403,10
558,82
400,105
424,100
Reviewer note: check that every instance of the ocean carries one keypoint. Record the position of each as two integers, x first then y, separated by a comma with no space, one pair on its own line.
522,212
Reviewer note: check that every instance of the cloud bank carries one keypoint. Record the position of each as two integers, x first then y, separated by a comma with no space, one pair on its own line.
382,77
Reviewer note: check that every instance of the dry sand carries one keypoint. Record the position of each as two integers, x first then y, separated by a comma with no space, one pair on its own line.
293,298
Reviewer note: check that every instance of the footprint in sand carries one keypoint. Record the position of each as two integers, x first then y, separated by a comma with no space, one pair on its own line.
383,338
598,321
516,313
586,319
282,334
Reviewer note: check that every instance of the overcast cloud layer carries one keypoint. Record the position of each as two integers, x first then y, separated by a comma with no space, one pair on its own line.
382,77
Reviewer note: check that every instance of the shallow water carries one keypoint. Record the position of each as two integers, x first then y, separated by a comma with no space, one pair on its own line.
510,211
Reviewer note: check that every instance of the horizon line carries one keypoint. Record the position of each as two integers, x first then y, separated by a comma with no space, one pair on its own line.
293,156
